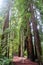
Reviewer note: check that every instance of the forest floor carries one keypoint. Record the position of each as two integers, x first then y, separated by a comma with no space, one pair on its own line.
22,61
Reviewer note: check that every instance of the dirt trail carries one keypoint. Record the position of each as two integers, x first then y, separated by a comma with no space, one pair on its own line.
22,61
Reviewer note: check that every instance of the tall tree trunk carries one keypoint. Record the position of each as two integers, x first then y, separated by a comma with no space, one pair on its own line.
21,45
30,50
36,34
5,35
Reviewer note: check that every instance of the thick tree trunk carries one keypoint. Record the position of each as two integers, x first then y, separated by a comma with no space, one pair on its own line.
30,50
5,35
36,34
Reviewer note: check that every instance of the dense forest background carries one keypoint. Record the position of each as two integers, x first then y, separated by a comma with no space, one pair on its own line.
15,18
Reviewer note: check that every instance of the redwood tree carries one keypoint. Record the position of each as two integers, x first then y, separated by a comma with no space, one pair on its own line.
5,35
36,34
30,50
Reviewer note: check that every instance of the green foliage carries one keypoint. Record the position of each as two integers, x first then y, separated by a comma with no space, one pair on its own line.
25,53
4,61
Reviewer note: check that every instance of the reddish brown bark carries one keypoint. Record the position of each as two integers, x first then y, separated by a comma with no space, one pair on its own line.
29,44
6,23
36,34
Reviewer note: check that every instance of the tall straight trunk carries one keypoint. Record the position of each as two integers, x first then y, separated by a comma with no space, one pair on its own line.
21,45
19,48
30,50
36,34
5,35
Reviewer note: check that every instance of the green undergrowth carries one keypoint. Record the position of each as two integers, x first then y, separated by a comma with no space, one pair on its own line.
4,61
